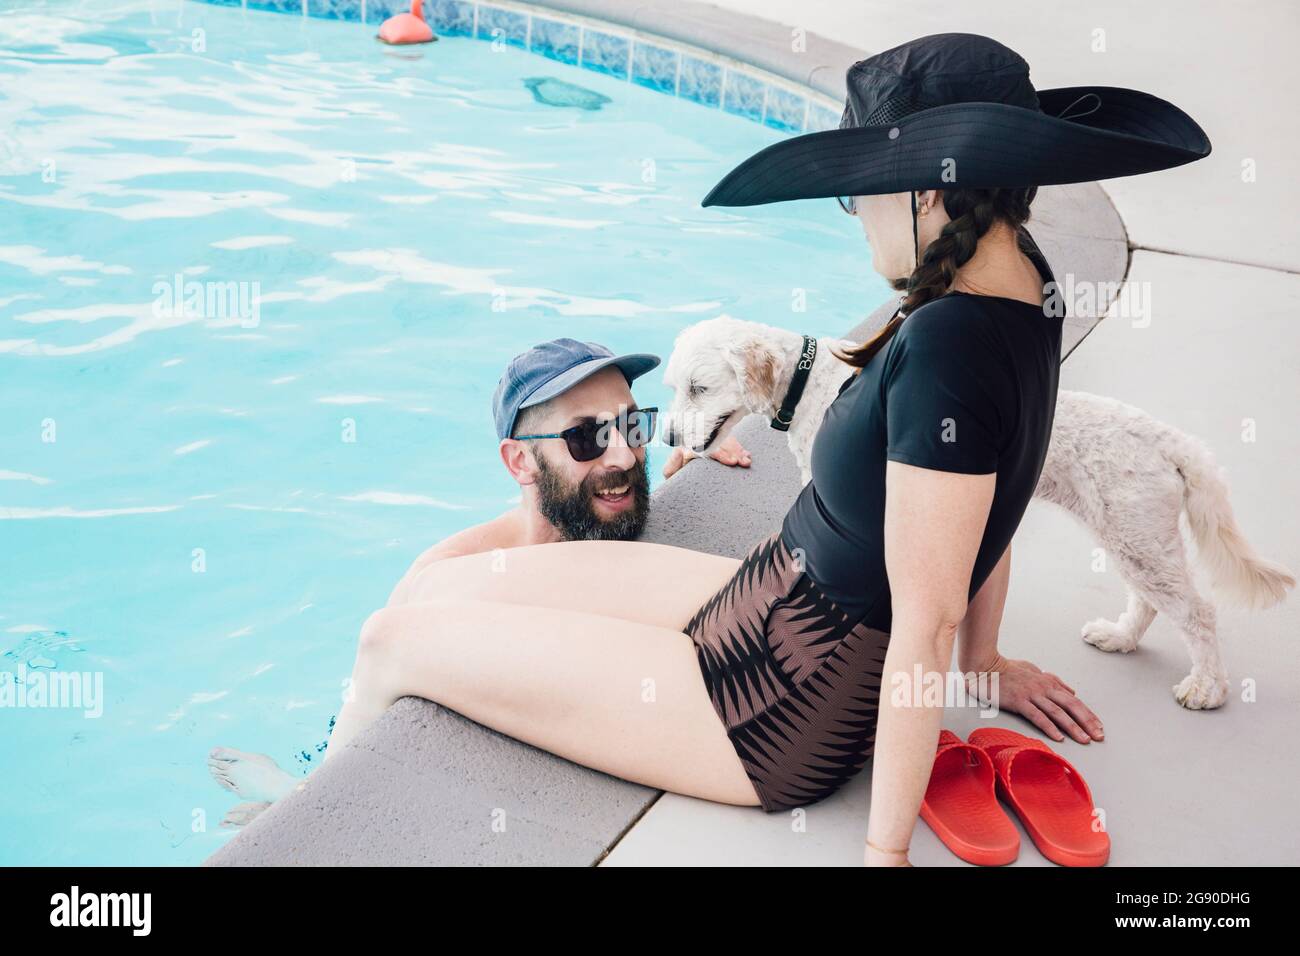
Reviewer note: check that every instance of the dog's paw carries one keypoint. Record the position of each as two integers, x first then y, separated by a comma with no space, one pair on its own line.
1201,692
1108,636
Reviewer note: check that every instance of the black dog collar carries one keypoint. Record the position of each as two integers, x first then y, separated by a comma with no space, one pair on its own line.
795,392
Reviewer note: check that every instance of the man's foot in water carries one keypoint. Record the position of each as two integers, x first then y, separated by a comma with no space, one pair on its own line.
255,777
241,814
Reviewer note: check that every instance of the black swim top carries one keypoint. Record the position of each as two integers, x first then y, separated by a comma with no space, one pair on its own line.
967,384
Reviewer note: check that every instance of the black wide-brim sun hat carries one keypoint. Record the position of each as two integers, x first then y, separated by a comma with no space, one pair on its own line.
957,110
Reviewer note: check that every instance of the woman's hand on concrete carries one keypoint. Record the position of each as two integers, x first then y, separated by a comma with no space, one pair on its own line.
1044,700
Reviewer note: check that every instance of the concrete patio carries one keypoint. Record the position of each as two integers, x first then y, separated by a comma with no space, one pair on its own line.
1217,259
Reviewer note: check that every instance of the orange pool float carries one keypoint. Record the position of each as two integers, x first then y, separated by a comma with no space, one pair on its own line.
407,27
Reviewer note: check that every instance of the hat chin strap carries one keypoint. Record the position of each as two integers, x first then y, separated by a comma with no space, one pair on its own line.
916,237
916,249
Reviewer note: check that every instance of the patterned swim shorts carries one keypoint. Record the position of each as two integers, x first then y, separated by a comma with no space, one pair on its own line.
795,681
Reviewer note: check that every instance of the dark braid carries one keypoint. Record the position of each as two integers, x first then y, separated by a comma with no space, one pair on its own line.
973,212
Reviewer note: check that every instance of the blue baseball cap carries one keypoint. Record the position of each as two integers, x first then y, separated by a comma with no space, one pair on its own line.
552,368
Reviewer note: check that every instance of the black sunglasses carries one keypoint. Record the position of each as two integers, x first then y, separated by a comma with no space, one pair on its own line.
848,203
587,441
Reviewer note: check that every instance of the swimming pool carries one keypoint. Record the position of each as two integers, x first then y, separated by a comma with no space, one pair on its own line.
199,506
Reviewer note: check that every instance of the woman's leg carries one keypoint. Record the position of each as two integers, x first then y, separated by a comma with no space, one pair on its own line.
637,581
619,696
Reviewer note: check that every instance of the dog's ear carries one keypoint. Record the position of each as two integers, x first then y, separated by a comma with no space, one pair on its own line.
755,366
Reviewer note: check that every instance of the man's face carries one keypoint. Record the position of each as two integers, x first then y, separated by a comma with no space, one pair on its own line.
600,500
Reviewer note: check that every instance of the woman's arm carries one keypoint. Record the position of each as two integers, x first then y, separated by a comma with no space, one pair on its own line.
934,521
1022,688
977,637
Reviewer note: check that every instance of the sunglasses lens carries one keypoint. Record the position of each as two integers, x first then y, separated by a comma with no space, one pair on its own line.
847,203
584,441
640,427
589,440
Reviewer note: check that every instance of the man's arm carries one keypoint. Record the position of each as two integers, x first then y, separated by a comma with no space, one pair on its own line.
730,452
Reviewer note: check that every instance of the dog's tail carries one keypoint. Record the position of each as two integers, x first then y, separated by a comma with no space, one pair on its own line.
1237,570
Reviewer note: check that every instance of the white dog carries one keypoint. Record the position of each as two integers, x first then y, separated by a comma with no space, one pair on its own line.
1123,474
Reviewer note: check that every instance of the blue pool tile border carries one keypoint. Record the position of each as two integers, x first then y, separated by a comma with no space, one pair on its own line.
666,66
450,18
655,67
376,11
785,110
604,52
745,96
330,9
501,25
556,39
282,6
701,81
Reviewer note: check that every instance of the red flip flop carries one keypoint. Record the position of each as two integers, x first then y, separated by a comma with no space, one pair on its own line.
960,805
1048,795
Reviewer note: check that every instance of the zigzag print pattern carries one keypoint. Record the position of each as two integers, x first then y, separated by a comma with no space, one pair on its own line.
730,635
795,682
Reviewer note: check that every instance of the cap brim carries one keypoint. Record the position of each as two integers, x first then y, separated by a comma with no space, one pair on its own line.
976,145
632,366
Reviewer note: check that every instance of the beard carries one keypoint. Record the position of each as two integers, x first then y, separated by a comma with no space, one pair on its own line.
572,510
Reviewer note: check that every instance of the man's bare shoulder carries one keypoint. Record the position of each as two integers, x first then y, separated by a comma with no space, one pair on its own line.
501,532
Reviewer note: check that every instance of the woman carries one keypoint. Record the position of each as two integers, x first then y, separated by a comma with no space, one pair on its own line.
759,682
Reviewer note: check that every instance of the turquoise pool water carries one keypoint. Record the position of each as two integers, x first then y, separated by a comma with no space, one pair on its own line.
198,508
